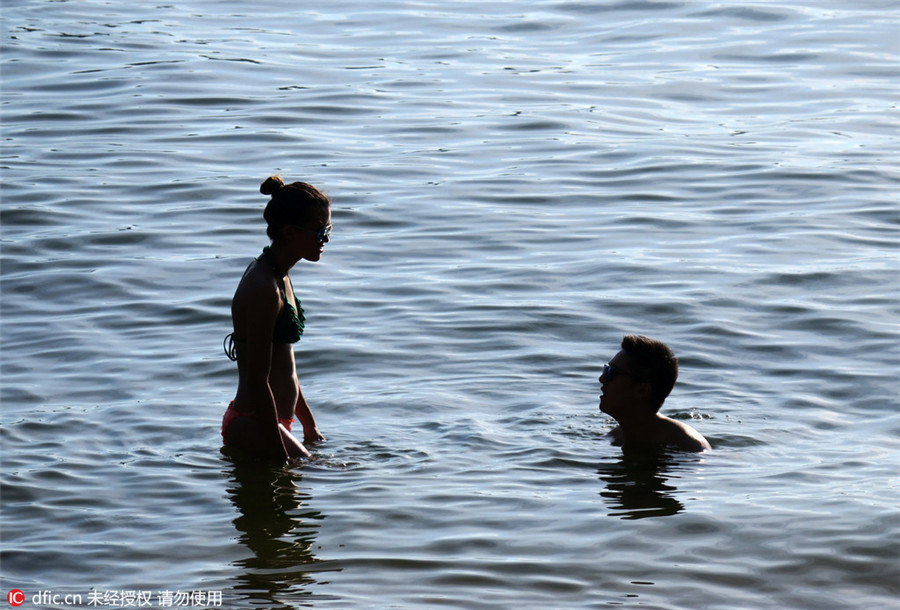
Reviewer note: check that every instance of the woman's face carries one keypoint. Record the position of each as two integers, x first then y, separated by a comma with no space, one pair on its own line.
310,239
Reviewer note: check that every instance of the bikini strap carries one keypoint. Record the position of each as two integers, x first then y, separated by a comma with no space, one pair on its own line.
229,346
269,259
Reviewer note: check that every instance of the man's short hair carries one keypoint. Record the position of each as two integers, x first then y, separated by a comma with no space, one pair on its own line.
654,363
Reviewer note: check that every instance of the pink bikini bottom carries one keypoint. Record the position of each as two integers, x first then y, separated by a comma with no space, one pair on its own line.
231,414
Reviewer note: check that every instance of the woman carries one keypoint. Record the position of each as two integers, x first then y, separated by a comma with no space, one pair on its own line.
267,320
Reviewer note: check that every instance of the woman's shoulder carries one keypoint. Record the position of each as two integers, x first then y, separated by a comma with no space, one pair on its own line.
257,286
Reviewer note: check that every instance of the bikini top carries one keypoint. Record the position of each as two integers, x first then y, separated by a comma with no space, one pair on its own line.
289,325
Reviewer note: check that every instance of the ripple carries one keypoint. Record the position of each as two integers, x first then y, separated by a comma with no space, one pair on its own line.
514,189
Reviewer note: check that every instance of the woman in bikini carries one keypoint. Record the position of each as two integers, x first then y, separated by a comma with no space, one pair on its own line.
267,320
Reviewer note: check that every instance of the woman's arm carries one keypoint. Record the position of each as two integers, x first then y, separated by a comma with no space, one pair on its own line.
311,432
259,322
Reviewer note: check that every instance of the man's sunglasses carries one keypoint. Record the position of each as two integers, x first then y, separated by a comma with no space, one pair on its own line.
612,372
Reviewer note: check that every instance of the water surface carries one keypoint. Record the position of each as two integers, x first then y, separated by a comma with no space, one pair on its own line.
515,187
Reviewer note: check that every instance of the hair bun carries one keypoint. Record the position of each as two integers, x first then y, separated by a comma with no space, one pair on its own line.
272,185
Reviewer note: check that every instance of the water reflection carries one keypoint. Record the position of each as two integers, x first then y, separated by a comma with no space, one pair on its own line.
276,525
637,485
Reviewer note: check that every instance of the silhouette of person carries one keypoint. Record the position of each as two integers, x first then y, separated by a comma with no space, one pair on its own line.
634,385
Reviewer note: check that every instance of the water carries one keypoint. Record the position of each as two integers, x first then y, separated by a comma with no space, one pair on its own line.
515,187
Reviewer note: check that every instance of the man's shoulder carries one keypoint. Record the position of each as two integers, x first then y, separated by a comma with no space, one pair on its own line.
615,436
684,436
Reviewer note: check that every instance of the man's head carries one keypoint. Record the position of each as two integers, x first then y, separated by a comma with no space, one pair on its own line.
643,372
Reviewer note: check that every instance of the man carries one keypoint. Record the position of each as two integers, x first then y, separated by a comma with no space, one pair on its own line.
634,386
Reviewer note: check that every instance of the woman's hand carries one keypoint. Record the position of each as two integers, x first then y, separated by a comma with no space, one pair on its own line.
312,436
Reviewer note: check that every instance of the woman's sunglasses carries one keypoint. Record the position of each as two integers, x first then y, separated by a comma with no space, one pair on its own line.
321,234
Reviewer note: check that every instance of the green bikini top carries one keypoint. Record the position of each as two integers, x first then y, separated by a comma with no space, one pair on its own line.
289,325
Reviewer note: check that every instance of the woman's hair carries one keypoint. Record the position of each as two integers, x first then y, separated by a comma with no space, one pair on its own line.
654,363
291,204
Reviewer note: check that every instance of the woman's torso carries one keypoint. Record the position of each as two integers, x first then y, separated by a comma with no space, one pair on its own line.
282,376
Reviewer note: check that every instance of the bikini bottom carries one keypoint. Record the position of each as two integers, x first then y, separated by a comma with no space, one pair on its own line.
231,414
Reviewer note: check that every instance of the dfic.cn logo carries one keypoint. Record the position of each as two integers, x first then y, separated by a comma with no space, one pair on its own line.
15,597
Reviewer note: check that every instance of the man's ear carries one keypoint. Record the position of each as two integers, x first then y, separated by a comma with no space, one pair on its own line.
644,390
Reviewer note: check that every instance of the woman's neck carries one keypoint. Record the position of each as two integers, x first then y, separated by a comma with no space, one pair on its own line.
281,258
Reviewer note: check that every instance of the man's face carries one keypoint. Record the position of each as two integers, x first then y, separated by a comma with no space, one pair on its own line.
617,385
